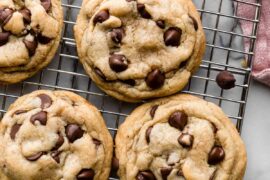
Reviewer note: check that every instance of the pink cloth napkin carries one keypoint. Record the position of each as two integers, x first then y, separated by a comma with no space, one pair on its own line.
261,61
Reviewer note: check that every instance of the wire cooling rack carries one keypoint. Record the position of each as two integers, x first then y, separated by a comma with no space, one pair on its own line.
225,51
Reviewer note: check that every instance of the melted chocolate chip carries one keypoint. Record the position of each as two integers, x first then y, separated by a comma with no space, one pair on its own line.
4,37
15,128
43,39
172,36
46,4
41,117
143,12
96,142
155,79
160,23
130,82
165,172
26,15
55,156
195,23
86,174
183,64
145,175
186,140
46,100
60,142
5,15
153,111
147,134
117,35
216,155
34,157
118,62
100,74
178,120
115,163
101,16
225,80
73,132
31,46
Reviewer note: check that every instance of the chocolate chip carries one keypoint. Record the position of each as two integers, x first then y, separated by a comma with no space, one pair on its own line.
214,128
225,80
117,35
13,131
130,82
26,15
73,132
34,157
160,23
43,39
46,4
172,36
5,15
96,142
186,140
46,100
195,23
115,163
143,12
31,46
153,111
216,155
147,134
55,156
212,177
183,64
145,175
40,116
165,172
178,120
180,173
101,16
4,37
155,79
100,74
118,62
86,174
60,142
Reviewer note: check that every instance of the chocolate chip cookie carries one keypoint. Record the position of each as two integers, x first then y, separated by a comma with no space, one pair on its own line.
30,33
179,137
142,49
52,135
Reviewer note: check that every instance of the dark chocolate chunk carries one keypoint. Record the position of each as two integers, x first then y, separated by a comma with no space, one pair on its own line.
86,174
96,142
186,140
5,15
155,79
118,62
143,12
117,35
4,37
46,4
34,157
165,172
41,117
43,39
60,142
46,100
13,131
115,163
172,36
100,74
145,175
195,23
31,46
160,23
26,15
225,80
101,16
130,82
147,134
153,110
183,64
216,155
73,132
178,120
55,156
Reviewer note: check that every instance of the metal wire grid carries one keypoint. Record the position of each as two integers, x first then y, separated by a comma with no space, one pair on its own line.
66,73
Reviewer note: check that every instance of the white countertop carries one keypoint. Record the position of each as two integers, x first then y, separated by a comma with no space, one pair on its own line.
256,131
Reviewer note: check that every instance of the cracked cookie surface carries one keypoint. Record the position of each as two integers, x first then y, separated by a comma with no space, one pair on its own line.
179,137
53,135
136,50
30,32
